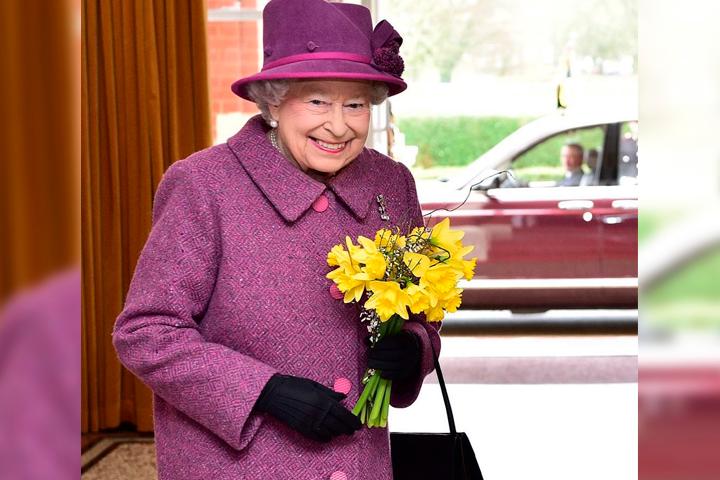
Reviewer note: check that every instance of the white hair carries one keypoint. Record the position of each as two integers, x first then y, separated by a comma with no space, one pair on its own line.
272,92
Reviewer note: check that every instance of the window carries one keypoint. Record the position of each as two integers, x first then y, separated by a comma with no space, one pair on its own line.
543,165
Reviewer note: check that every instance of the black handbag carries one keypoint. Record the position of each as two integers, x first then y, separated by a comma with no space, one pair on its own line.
434,456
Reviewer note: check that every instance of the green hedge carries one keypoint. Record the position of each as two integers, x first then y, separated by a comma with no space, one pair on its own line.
456,141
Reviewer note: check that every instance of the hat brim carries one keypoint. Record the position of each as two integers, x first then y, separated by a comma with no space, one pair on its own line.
324,69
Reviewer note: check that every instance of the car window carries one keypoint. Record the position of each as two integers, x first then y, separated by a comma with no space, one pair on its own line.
627,154
543,166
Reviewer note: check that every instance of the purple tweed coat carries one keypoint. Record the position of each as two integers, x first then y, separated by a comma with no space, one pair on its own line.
230,289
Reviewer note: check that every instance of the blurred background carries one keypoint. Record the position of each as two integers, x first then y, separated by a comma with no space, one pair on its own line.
39,239
679,235
549,392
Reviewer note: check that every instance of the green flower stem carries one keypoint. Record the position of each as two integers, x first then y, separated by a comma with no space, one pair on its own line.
374,403
378,401
366,393
386,405
363,414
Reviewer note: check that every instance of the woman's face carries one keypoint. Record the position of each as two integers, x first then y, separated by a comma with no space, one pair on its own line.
323,124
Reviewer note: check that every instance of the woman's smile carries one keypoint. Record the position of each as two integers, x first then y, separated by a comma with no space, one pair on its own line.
327,146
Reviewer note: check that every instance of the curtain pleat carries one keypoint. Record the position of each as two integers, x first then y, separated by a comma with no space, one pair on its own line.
145,105
38,148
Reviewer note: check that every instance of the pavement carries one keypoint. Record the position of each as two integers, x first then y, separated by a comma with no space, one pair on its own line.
537,407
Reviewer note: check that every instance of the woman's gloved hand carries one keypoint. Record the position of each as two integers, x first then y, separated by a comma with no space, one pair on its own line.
396,356
307,406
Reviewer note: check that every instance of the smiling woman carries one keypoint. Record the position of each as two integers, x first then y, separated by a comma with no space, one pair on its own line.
230,318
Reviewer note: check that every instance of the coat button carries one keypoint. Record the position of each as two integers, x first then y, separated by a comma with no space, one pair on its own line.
338,475
336,293
320,204
342,385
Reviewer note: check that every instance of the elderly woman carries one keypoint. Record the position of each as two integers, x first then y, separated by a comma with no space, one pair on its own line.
253,357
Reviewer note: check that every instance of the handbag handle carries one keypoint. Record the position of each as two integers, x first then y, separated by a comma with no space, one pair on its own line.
446,399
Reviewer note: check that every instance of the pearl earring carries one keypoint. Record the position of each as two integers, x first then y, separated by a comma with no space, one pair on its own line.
273,123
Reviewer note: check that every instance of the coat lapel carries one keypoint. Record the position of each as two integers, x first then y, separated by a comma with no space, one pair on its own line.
288,189
354,183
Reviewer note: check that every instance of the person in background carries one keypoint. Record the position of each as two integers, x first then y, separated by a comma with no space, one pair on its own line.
571,157
591,177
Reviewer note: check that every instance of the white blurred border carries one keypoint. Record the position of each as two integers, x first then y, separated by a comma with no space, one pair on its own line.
679,147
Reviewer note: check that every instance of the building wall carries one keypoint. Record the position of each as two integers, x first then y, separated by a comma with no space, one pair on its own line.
232,54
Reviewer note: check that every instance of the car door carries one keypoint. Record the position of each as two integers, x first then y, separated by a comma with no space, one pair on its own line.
619,216
528,233
531,229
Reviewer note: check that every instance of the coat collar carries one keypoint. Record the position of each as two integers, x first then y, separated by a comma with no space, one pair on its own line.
354,184
288,189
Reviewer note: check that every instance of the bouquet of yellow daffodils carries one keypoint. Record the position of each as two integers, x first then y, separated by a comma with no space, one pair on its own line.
397,273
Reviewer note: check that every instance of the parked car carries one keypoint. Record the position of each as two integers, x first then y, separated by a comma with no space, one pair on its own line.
541,246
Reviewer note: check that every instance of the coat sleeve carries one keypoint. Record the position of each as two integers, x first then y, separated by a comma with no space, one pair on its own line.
405,392
157,335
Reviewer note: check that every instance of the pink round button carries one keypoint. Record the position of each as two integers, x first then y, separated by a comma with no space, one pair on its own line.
338,475
342,385
336,293
320,204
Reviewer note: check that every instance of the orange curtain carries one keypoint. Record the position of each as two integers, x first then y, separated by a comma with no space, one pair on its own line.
144,105
39,214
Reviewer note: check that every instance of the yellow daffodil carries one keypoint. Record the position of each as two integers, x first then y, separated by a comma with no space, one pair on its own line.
469,268
385,238
374,268
438,281
451,302
337,256
342,259
417,263
419,300
445,238
435,314
347,273
372,259
435,257
465,267
354,252
352,287
388,299
367,244
419,236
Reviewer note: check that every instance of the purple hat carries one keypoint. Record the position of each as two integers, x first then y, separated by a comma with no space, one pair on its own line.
319,39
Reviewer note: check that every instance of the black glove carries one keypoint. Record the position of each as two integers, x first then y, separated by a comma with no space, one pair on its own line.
307,406
396,356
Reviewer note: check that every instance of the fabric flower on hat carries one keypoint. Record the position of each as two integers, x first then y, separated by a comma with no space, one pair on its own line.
386,43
